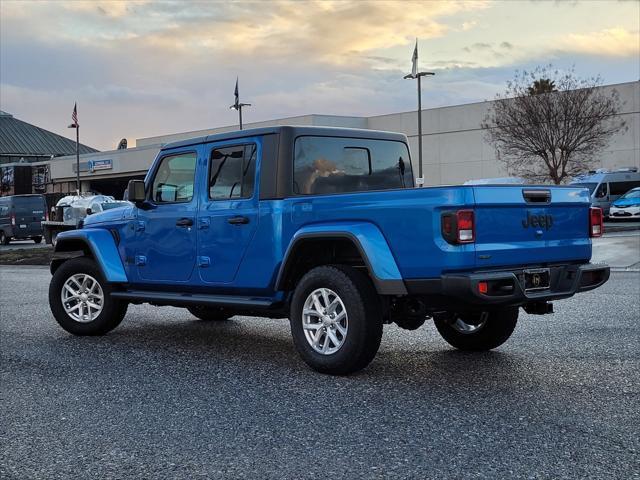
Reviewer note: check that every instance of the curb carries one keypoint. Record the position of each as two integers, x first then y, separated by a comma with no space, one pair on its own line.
620,227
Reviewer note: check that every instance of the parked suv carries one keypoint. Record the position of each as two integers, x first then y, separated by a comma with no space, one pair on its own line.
21,217
324,226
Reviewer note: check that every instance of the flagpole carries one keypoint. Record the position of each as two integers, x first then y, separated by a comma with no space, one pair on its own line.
76,125
78,187
420,133
237,105
418,75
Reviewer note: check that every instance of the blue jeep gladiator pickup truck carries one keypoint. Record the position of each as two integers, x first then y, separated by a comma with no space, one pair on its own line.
324,226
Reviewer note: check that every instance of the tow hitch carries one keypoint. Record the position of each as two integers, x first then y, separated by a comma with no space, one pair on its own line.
538,308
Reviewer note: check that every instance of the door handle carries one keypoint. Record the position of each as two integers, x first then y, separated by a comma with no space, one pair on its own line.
184,222
238,220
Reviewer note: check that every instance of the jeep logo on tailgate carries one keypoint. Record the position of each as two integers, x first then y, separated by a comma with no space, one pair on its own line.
535,221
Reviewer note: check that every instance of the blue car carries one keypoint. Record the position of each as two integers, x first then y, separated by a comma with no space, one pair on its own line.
627,206
325,226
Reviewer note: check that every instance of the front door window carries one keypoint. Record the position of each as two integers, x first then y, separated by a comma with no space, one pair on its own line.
174,179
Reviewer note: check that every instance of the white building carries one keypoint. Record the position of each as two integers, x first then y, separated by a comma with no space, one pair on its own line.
454,147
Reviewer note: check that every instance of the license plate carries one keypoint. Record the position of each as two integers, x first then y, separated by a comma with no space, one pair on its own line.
23,225
537,279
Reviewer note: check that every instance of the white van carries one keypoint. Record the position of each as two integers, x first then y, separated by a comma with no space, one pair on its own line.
606,186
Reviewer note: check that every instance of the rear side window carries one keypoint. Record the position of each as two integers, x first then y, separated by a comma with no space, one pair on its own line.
324,165
620,188
232,172
174,179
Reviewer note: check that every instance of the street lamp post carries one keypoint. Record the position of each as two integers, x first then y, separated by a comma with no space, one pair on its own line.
418,76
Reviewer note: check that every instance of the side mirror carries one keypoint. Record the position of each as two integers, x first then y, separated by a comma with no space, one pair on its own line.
135,191
89,212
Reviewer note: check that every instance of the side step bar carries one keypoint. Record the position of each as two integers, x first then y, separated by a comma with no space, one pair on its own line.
165,298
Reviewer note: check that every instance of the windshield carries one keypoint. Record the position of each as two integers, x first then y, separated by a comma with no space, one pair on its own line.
631,194
590,186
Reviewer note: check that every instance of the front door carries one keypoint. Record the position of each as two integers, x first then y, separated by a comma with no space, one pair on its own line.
228,214
167,242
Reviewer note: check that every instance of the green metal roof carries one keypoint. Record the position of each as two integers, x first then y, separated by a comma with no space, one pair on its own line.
22,138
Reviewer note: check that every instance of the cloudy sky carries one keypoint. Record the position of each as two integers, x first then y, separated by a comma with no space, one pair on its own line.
142,68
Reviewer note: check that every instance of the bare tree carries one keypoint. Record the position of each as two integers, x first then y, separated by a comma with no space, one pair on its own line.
550,125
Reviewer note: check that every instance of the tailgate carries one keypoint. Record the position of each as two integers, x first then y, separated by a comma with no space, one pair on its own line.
531,225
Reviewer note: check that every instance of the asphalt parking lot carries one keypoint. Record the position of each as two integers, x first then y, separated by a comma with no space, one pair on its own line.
168,396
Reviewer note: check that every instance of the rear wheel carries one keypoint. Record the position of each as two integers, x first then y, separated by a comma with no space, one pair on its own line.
80,299
336,321
37,239
4,240
210,314
477,331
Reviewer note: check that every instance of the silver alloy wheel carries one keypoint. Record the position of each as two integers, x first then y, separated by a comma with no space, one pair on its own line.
461,326
82,297
325,321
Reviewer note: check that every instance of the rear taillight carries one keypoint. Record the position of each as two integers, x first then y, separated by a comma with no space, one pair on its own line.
458,227
596,223
13,220
46,216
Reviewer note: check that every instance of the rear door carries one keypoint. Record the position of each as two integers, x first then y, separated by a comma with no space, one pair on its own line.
29,211
531,225
228,215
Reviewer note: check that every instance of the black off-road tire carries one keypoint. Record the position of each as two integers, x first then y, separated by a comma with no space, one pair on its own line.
113,310
210,314
497,329
37,239
364,319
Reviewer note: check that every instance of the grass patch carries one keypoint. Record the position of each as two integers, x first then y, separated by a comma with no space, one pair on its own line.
26,256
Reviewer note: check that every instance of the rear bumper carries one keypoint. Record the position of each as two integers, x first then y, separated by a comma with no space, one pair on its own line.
20,233
506,287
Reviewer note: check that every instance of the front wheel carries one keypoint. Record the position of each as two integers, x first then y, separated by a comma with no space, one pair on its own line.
80,299
336,322
477,331
4,240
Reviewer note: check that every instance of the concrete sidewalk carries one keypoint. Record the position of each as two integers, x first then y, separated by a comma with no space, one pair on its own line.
621,251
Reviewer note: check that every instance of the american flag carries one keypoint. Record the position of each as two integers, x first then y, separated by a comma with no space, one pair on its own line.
74,115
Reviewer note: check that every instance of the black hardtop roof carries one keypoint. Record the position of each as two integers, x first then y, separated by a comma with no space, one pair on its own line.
294,131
